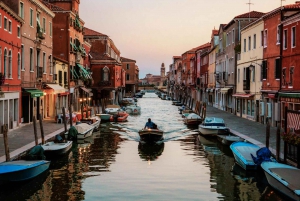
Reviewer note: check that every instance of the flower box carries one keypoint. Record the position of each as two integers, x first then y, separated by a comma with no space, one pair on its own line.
291,138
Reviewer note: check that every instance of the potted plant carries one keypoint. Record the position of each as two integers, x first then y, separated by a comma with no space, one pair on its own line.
291,138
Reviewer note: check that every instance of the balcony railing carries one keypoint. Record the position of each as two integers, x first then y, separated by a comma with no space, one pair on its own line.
246,85
39,72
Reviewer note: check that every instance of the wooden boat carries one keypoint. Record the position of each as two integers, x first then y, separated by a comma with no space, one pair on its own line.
284,178
242,154
52,149
112,109
104,117
229,139
213,126
121,117
83,131
93,121
22,170
151,135
192,119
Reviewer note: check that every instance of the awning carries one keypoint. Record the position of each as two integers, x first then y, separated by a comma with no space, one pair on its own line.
74,46
84,71
225,90
243,95
64,94
289,95
88,91
57,88
35,92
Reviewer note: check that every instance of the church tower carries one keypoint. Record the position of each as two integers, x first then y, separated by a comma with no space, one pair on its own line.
162,71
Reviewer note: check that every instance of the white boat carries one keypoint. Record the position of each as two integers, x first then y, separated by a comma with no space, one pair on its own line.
284,178
93,121
192,119
83,131
52,149
213,126
21,170
229,139
133,109
112,109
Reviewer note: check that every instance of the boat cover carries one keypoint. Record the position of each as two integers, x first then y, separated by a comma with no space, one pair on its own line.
263,154
83,127
72,133
193,116
36,153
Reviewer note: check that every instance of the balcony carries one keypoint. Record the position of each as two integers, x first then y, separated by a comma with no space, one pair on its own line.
39,72
104,83
246,85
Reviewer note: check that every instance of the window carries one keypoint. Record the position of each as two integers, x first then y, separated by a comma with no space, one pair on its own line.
9,26
127,77
262,38
31,59
277,68
244,44
60,77
5,23
291,76
44,25
0,20
105,73
264,70
254,41
227,40
244,106
5,63
253,74
31,17
127,66
0,59
65,78
285,39
18,32
44,62
278,34
265,38
233,36
19,66
238,75
21,10
37,58
51,65
283,76
293,36
249,43
50,29
9,64
22,57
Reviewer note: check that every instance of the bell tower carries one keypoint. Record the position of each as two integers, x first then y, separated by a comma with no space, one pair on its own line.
162,70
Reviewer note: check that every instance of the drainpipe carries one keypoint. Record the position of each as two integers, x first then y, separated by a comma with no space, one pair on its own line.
280,54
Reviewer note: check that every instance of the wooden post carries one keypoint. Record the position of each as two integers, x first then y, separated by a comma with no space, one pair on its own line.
285,130
71,116
7,155
42,129
82,111
204,110
268,133
278,132
35,131
64,118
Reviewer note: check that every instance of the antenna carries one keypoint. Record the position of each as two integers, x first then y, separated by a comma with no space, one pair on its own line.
250,7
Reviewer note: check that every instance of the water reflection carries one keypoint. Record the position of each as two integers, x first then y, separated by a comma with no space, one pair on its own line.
150,151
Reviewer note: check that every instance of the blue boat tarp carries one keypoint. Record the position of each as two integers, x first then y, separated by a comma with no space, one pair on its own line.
263,154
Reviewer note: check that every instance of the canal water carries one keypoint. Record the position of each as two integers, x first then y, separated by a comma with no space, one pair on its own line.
114,165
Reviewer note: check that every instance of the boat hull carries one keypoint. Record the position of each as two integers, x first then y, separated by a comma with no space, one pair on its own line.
242,154
151,135
16,171
52,149
104,117
281,183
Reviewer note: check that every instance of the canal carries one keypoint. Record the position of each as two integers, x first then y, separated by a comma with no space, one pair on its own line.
114,165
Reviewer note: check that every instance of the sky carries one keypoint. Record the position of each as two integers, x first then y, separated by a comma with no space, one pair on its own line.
153,31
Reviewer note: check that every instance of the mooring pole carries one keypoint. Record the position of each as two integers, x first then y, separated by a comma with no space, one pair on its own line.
268,133
42,129
35,131
6,142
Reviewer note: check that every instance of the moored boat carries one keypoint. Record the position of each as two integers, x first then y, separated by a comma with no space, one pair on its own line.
192,119
22,170
104,117
93,121
53,149
79,131
284,178
151,135
213,126
229,139
119,117
112,109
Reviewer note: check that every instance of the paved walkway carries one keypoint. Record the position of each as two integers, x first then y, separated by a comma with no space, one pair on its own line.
22,139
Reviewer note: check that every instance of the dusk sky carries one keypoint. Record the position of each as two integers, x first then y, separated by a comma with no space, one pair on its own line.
153,31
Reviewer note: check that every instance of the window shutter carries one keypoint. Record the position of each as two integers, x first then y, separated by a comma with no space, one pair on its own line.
277,68
264,70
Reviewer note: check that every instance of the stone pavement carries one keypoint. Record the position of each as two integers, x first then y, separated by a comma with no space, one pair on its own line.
251,131
22,138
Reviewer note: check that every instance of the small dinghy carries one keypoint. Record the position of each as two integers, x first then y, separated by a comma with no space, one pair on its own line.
57,147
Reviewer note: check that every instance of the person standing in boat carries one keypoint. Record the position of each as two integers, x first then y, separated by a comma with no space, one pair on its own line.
150,124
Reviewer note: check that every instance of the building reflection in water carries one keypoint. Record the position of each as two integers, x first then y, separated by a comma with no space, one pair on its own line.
150,152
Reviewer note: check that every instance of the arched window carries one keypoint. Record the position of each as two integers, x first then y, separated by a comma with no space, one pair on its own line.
19,65
105,73
9,64
5,63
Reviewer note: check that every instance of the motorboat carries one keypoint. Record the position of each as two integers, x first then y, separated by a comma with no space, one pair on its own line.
229,139
93,121
57,147
104,117
213,126
79,131
127,101
133,109
138,95
192,119
151,135
185,113
284,178
112,109
22,170
119,117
